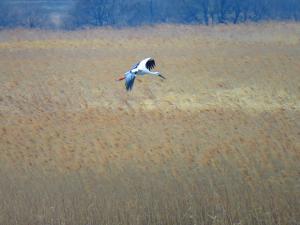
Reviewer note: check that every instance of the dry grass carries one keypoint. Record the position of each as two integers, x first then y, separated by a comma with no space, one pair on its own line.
218,142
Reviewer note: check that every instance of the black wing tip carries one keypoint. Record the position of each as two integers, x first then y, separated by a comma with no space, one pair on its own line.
150,64
128,88
129,85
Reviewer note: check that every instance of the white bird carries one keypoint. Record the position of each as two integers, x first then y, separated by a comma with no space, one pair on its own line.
141,68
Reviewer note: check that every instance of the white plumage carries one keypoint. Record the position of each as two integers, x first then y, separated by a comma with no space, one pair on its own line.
141,68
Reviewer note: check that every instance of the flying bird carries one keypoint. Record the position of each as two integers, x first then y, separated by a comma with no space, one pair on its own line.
141,68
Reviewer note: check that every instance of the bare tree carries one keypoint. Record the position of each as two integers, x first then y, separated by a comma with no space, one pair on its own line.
4,13
237,9
205,11
94,12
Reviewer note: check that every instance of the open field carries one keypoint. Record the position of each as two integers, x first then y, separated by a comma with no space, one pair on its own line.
218,142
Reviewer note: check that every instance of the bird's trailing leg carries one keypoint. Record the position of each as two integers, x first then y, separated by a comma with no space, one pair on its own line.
162,76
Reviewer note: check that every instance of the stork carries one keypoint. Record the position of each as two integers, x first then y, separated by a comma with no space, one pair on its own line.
141,68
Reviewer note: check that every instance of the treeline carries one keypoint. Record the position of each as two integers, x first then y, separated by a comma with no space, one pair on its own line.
36,14
130,12
137,12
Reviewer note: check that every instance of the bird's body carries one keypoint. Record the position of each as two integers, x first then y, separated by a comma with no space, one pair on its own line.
141,68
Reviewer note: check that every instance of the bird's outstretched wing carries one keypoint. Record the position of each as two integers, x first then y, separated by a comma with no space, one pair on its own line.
134,66
129,80
147,63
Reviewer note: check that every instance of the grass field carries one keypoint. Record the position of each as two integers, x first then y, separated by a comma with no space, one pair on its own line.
218,142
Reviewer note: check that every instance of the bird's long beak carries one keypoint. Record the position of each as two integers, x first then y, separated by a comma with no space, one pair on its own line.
162,76
121,78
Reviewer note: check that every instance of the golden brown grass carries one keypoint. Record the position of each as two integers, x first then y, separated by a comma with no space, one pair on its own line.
218,142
